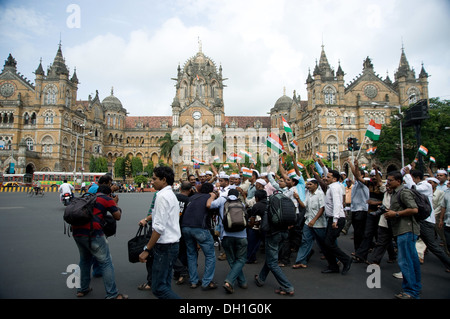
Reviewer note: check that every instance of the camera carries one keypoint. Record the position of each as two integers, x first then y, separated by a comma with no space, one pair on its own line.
380,211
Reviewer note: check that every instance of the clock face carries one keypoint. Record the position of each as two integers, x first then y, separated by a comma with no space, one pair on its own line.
196,115
7,89
371,91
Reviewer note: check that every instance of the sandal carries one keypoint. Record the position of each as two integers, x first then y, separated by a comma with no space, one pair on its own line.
83,293
281,291
211,285
121,296
144,286
181,280
403,295
298,266
228,287
193,286
258,282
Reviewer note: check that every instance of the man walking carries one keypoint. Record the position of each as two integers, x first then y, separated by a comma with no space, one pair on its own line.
406,228
334,211
165,235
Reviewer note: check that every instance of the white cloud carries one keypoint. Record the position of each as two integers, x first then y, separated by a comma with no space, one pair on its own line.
263,46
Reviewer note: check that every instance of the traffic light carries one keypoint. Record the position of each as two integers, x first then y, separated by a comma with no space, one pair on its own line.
356,147
329,156
334,156
350,144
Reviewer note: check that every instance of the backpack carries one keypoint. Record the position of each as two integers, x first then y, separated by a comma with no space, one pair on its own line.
281,211
422,202
234,216
79,211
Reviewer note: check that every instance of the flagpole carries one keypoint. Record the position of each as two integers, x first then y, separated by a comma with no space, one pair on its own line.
359,151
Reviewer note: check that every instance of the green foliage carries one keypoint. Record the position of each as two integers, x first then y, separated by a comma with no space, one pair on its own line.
136,166
119,167
149,168
98,164
433,134
140,179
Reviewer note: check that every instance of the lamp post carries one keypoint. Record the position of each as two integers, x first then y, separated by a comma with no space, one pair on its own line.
76,151
400,118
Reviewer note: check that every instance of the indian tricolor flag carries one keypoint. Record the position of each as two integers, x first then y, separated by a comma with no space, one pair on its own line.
246,172
293,144
226,166
371,150
184,168
300,165
432,159
235,157
287,128
197,161
292,173
246,153
373,131
319,155
216,158
274,142
423,150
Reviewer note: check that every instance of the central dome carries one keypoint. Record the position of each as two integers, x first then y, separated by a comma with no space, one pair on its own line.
112,103
283,103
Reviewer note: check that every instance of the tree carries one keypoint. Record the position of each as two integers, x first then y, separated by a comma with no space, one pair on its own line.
140,179
127,167
98,164
136,166
434,137
149,168
166,145
119,167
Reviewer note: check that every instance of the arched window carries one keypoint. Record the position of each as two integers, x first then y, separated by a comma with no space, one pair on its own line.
30,144
50,94
329,94
47,144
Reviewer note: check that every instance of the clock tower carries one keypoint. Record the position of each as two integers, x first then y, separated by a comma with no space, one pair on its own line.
199,93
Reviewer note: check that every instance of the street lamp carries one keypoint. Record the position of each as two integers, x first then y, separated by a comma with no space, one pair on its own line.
400,118
76,150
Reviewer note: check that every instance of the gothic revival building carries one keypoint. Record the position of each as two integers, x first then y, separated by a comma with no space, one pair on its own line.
44,127
333,111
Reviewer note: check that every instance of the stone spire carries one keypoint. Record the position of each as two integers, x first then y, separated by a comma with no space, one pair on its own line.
39,70
59,65
10,64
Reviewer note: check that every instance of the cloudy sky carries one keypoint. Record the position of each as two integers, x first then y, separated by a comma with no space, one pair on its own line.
263,46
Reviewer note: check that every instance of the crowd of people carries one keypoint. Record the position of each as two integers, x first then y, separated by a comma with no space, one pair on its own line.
327,202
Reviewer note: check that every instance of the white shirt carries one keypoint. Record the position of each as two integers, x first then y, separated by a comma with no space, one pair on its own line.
66,188
166,216
333,202
424,188
314,202
290,193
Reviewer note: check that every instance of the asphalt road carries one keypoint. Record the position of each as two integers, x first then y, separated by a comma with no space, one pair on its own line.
35,255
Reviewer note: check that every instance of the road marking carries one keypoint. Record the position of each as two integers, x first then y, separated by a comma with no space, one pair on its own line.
18,207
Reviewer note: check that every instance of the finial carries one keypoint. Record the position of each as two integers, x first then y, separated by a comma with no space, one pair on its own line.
199,45
112,90
284,90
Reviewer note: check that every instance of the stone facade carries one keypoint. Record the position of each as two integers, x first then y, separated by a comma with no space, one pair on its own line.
43,127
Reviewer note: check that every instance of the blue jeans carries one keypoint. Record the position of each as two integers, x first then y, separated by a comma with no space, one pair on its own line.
203,237
409,264
308,237
272,247
99,250
165,256
236,252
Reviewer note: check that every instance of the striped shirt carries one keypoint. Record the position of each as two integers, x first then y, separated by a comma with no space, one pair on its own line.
103,205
